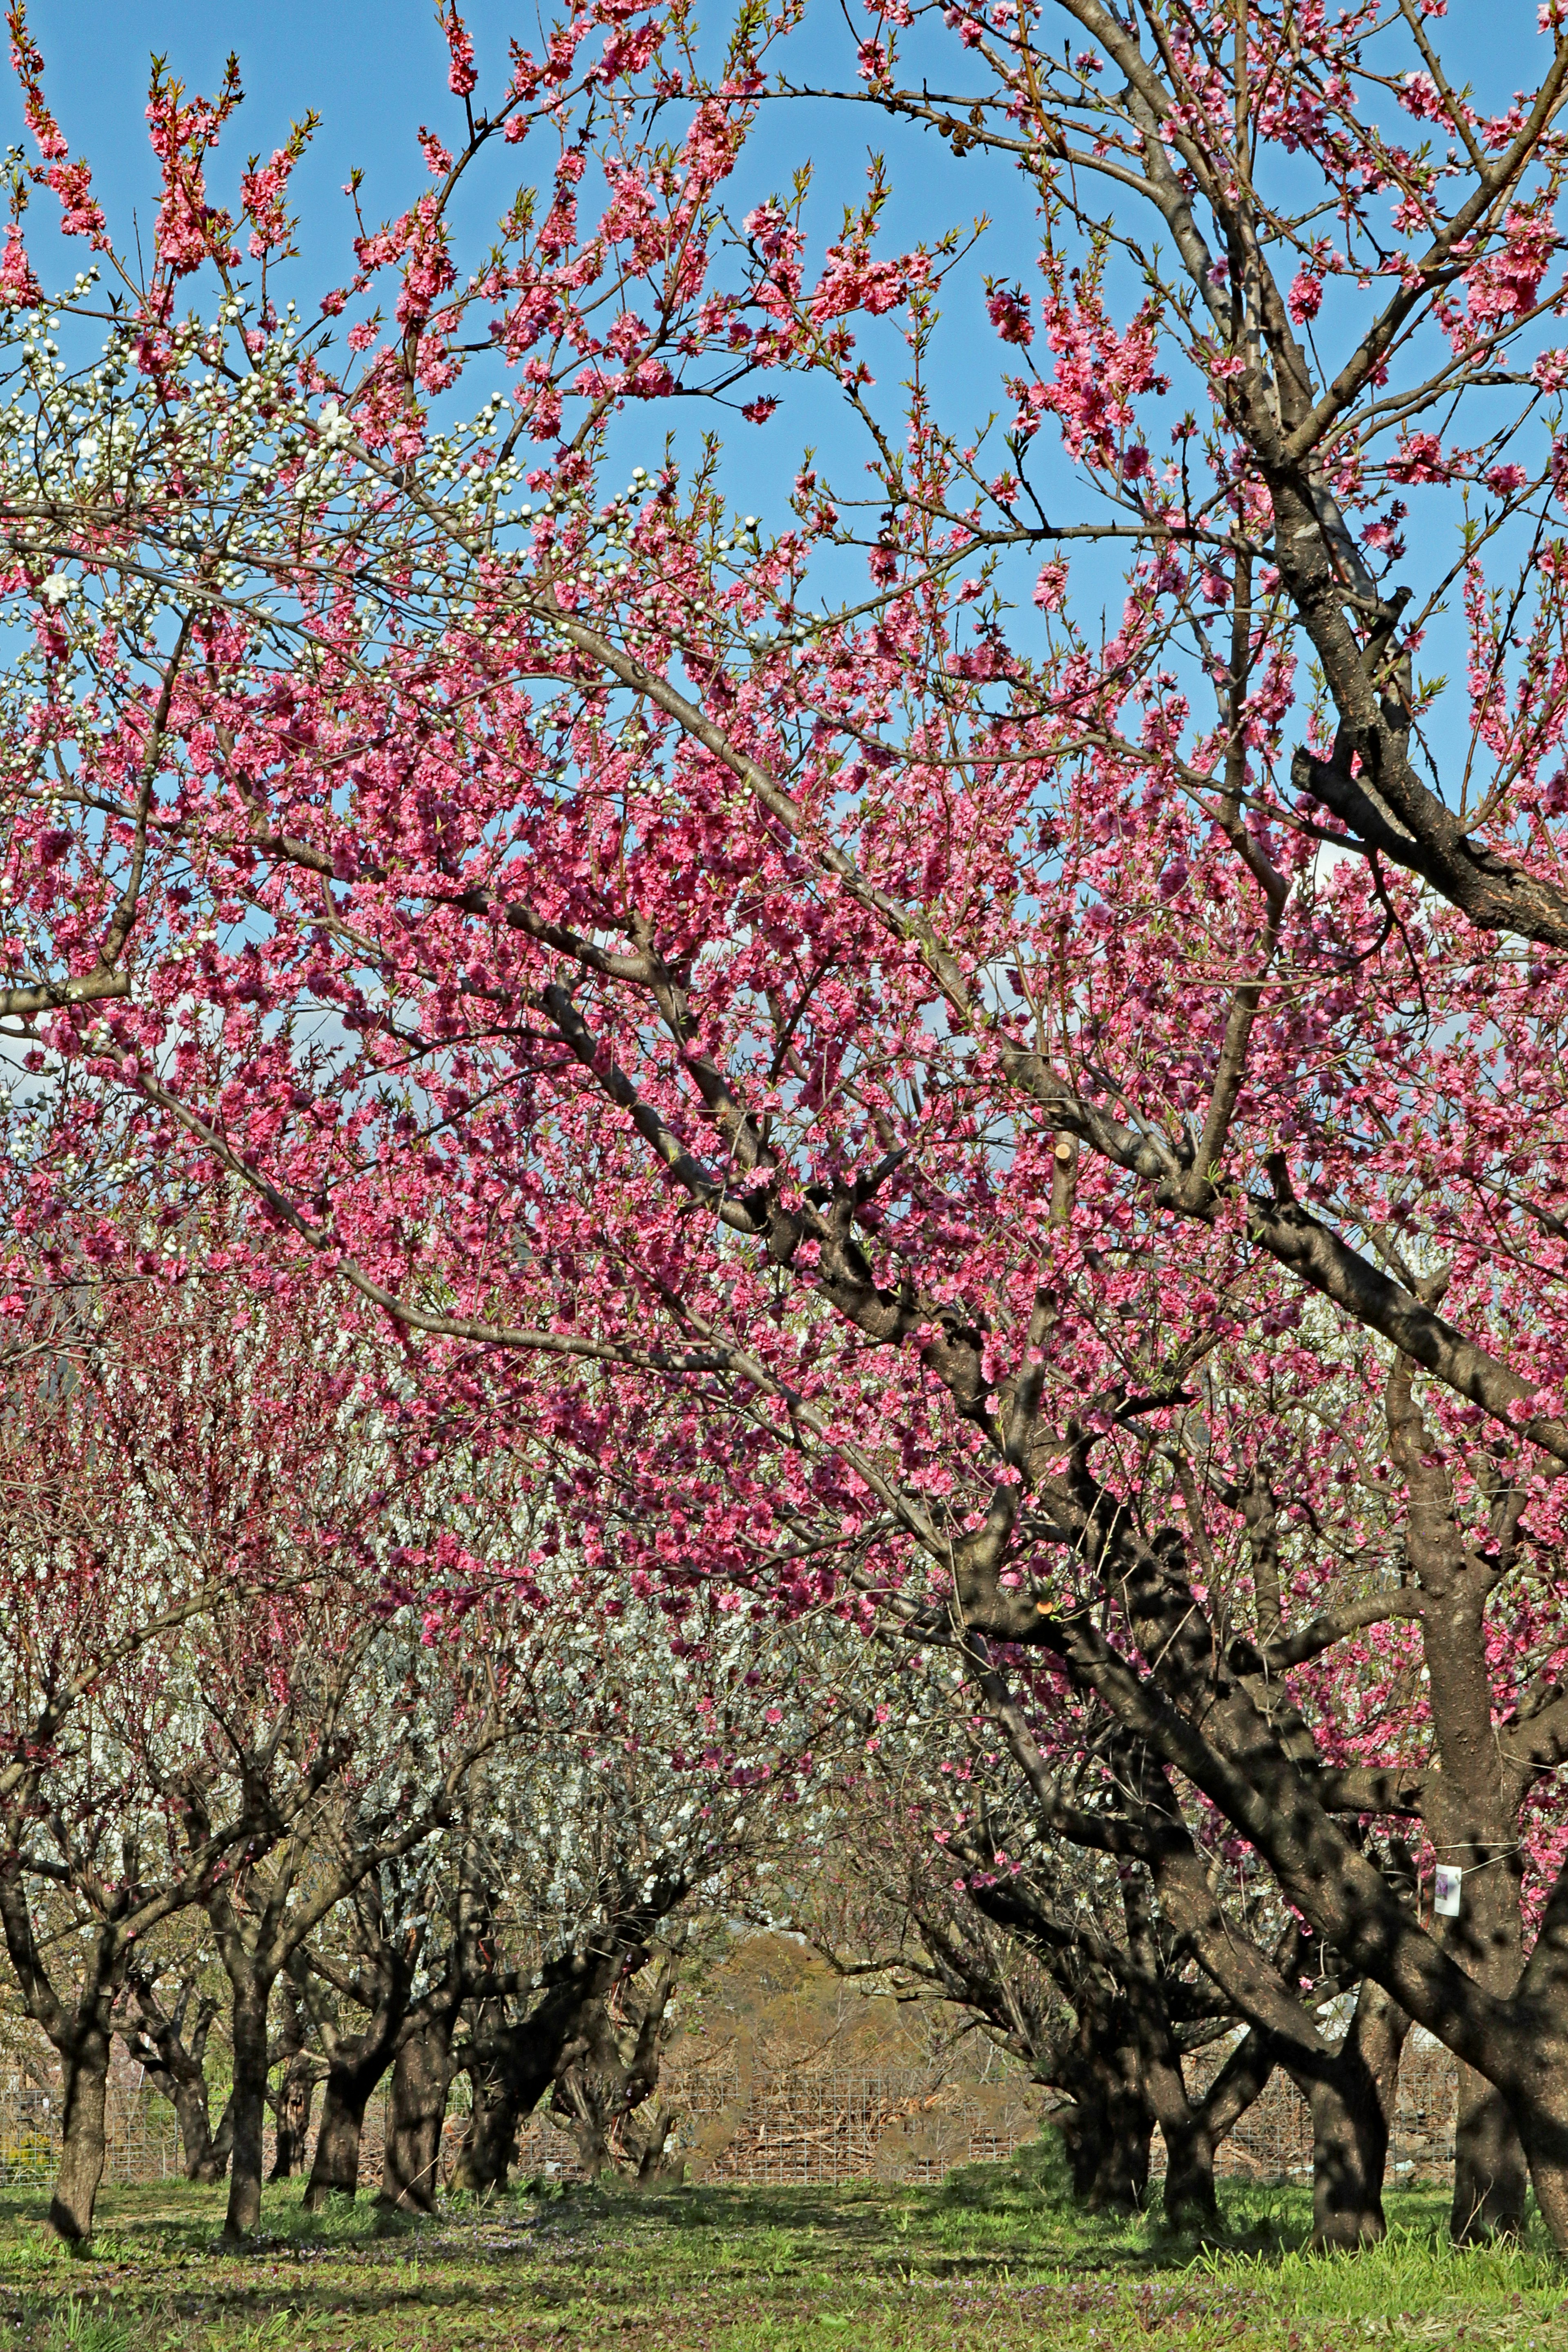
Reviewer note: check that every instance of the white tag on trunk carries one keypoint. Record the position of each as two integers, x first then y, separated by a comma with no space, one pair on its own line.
1445,1892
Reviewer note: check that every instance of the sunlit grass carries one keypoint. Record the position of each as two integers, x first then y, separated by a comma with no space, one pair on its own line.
997,2258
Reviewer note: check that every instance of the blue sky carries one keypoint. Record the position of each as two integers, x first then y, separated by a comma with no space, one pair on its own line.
375,69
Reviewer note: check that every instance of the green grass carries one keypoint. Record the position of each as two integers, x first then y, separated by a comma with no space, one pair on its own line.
995,2258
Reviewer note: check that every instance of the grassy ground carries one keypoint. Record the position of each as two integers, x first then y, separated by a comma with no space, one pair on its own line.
993,2260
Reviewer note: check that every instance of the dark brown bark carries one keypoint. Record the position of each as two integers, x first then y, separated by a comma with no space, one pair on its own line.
1379,2030
220,2148
1189,2193
614,2076
1491,2178
1106,2133
356,2061
513,2061
653,2164
1108,2128
334,2170
1191,2128
82,2141
295,2098
177,2069
500,2081
296,2091
79,2031
415,2111
252,1991
1530,2047
1471,1805
1349,2148
1189,2199
1350,2097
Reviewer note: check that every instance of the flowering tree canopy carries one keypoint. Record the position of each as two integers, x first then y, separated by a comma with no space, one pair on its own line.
1033,1108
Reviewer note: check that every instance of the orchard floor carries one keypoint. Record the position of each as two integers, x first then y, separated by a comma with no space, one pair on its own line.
992,2260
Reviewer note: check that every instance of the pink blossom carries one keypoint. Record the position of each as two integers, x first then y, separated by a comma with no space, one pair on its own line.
1420,459
1419,96
18,287
461,78
263,194
1305,298
1008,309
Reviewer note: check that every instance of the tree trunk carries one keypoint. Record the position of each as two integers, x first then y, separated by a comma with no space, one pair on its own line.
203,2161
296,2096
1473,1822
220,2148
178,2070
335,2169
1378,2033
1191,2129
653,2164
1536,2072
1473,1803
605,2084
1109,2154
80,2036
355,2064
1543,2128
1189,2199
206,2152
512,2065
248,2102
296,2089
82,2142
1492,2179
1352,2100
1107,2133
1349,2148
593,2143
1194,2129
489,2143
415,2111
